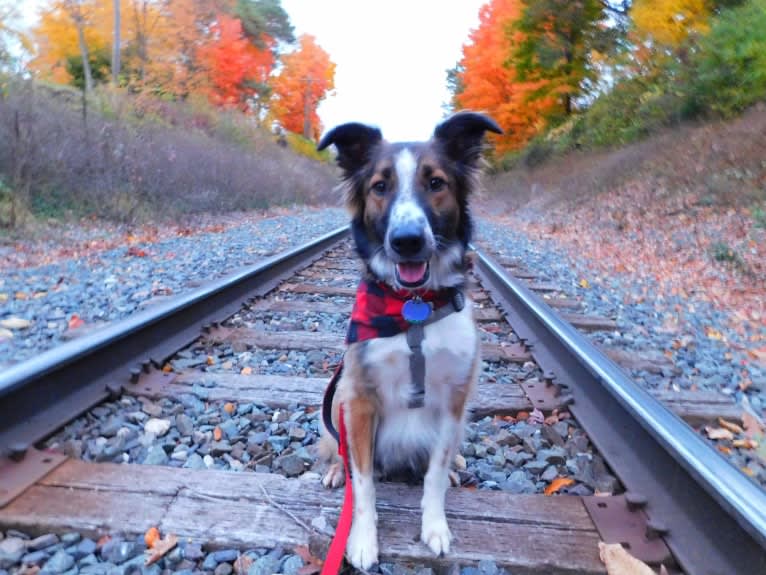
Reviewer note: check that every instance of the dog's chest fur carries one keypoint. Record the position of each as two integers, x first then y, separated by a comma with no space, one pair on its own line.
380,368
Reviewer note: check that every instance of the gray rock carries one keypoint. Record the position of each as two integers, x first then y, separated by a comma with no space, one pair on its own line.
60,562
47,540
550,473
11,550
226,555
34,558
218,448
112,426
291,565
184,424
554,455
71,538
96,569
85,547
209,563
193,551
279,442
265,565
487,567
117,552
553,437
156,456
223,569
230,429
536,466
87,560
291,464
194,461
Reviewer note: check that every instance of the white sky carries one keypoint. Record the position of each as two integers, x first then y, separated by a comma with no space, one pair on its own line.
391,57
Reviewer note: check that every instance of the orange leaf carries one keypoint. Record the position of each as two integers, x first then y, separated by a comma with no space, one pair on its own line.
246,370
718,433
161,547
619,562
557,484
151,536
75,321
733,427
210,360
217,433
229,407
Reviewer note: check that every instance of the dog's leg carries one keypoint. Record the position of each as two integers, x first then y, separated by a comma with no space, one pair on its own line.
434,532
362,547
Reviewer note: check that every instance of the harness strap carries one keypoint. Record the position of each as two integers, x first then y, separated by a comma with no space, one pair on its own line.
415,336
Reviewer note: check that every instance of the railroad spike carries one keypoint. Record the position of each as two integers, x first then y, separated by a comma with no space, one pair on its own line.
635,501
17,451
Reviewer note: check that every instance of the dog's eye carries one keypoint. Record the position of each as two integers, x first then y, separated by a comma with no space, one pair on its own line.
379,187
436,184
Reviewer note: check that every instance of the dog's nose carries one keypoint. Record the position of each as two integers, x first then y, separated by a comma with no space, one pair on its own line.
407,242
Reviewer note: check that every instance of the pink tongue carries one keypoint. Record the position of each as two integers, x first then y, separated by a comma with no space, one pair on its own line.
411,272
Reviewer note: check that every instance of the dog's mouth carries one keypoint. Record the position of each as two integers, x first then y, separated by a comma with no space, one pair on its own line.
412,274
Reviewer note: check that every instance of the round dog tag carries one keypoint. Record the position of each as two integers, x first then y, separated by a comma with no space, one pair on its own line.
416,311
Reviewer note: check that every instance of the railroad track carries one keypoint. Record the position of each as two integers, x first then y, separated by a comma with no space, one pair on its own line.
229,378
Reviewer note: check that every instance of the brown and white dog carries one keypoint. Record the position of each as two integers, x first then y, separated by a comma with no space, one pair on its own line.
411,226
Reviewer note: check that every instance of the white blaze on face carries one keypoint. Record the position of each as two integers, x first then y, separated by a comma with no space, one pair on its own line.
406,209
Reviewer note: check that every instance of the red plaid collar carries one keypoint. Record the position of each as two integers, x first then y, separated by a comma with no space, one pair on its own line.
377,310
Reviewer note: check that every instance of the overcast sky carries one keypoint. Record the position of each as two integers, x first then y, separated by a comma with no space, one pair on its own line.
391,57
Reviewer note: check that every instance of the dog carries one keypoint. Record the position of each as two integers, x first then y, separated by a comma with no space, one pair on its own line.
411,227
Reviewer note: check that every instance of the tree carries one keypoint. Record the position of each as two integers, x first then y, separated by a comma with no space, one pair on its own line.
234,64
555,45
307,76
669,22
484,80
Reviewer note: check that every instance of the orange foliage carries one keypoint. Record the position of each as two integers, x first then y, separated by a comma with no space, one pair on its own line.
489,82
233,63
306,78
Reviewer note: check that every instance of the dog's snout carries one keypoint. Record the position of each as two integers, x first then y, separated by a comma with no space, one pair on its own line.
408,242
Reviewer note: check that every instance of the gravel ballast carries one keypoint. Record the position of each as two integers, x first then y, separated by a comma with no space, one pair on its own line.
109,285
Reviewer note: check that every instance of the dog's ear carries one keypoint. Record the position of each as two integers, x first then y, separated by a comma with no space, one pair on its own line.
462,135
353,142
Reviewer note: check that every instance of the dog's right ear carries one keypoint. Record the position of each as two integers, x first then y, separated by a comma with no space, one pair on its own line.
353,142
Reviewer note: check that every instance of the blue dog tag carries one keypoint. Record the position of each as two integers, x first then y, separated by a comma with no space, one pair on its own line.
416,310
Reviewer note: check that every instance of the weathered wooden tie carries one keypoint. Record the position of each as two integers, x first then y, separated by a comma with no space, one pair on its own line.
529,534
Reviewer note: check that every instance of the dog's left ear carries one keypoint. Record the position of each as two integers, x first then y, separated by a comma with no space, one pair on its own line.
353,142
462,135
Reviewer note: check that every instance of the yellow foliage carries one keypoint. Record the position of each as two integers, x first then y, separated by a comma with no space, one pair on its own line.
669,22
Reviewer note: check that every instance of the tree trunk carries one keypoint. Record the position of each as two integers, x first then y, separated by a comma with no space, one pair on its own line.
74,11
307,110
116,44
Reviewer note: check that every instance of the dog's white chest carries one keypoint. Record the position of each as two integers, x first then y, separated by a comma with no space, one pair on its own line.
449,348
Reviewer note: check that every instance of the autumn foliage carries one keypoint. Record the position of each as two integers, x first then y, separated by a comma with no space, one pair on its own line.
307,76
227,51
488,83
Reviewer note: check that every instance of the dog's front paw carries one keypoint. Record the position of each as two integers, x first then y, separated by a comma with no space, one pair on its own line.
362,546
436,534
335,477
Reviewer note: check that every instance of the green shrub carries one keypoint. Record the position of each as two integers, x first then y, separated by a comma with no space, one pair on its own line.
729,69
306,147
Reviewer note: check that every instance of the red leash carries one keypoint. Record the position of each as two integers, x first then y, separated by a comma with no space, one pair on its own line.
338,546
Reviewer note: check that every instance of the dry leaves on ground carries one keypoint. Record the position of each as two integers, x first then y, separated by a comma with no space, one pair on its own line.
161,547
619,562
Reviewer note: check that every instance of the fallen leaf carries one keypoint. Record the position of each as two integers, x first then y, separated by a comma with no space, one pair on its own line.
21,295
718,433
723,449
733,427
557,484
584,283
161,547
312,564
242,565
619,562
217,433
167,368
229,407
103,541
75,321
522,416
15,323
246,370
3,297
210,360
151,536
5,333
713,333
536,416
745,443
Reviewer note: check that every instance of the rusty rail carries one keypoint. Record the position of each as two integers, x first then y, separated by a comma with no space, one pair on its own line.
711,516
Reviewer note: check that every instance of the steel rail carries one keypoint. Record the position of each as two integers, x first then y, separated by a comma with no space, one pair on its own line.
42,394
715,516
